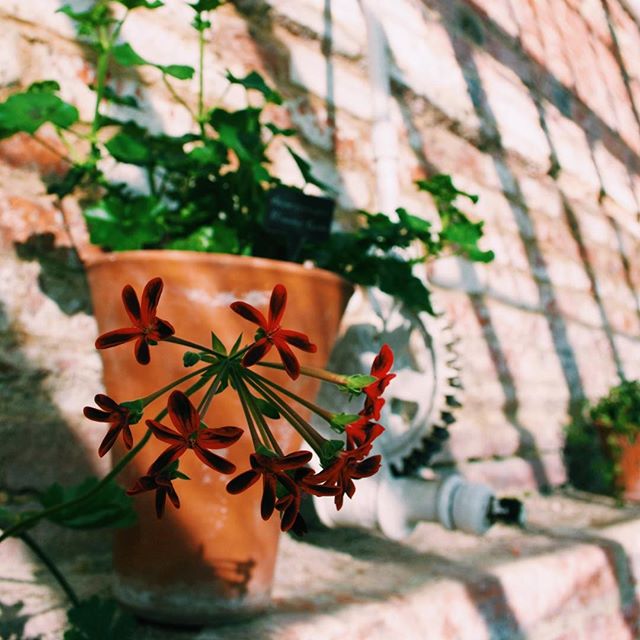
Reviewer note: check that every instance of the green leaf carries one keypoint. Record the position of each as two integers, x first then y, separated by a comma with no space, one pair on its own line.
305,170
189,358
261,449
125,56
136,407
90,21
8,518
277,131
218,238
217,345
329,451
28,111
126,101
256,82
180,71
110,507
122,222
44,86
267,408
442,188
147,4
236,346
340,420
206,5
100,619
129,149
357,382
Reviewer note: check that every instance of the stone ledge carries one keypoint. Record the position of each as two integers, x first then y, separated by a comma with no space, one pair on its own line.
570,574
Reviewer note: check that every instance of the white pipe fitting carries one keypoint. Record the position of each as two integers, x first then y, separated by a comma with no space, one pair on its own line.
396,505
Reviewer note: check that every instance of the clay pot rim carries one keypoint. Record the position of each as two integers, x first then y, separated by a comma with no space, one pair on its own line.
177,255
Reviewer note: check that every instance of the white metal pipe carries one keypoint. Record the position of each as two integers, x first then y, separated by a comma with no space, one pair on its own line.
396,505
384,139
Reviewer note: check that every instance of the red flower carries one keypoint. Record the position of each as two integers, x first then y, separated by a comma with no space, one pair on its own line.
273,470
348,467
289,505
361,436
189,435
147,327
161,484
270,334
380,369
373,402
118,417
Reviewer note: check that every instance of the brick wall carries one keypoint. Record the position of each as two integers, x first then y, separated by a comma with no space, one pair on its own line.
532,104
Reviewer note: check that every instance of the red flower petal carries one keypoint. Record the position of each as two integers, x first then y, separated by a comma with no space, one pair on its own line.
256,352
145,483
131,305
161,498
183,414
150,299
162,330
298,339
106,403
168,456
277,305
127,436
218,438
243,481
141,351
117,337
173,496
268,502
383,362
293,460
367,467
165,434
291,364
109,440
213,460
96,415
250,313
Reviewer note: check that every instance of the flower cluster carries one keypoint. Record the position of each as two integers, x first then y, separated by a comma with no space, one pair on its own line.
286,477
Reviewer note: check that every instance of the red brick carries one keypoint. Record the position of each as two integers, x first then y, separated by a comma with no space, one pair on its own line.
22,151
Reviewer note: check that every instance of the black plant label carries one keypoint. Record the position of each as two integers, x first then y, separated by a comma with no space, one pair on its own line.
303,218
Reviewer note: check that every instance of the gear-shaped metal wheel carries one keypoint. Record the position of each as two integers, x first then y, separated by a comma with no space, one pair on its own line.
422,400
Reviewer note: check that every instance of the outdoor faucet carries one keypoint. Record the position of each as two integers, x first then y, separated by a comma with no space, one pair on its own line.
396,505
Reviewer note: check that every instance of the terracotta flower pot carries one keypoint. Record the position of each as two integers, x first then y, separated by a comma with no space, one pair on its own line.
628,468
214,556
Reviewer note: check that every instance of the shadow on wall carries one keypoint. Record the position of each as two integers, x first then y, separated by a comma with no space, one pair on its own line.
62,276
37,445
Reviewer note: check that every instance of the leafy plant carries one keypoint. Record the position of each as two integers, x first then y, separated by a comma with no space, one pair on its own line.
209,189
593,438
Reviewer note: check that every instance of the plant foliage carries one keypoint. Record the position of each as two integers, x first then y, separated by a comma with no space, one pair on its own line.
208,189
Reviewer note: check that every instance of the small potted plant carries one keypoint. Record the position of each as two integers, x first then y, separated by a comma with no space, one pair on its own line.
601,447
212,225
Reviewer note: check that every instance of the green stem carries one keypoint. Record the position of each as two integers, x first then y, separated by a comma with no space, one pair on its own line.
247,413
210,393
311,372
309,434
106,42
150,398
266,433
319,411
51,566
201,43
178,98
194,345
121,464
